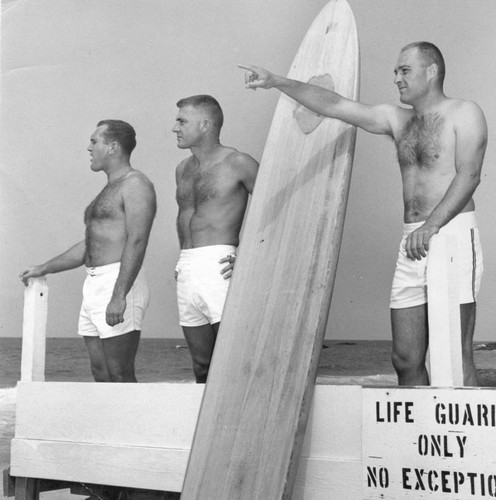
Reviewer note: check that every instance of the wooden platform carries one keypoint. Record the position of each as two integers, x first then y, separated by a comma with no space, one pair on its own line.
140,435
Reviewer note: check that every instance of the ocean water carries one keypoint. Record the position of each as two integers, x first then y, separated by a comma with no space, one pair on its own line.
160,360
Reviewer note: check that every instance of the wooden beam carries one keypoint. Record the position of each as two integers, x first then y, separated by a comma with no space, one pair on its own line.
53,442
445,344
34,330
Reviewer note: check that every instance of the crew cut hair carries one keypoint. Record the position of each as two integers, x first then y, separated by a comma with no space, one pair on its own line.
430,55
120,132
206,102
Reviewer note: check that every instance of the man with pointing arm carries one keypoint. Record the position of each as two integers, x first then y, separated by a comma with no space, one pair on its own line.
440,144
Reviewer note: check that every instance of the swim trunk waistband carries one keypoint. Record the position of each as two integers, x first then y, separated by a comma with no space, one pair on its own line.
108,268
463,220
207,252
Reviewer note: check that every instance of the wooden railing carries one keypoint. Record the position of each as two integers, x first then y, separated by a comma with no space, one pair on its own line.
34,330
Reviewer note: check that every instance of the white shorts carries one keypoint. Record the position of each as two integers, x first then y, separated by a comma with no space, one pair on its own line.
201,288
410,277
97,292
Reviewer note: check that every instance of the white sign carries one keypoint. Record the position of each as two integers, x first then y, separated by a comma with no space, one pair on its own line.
429,443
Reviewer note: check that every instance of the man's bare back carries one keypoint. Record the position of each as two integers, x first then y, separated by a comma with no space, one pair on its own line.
212,198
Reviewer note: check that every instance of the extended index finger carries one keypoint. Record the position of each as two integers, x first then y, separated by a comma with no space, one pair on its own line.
248,67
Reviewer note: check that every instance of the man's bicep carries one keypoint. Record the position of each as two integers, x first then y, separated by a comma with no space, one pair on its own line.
373,119
140,206
471,138
249,169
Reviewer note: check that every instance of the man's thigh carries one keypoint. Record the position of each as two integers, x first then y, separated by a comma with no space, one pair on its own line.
201,340
120,351
410,331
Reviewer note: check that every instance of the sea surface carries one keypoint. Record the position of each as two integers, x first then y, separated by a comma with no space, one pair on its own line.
160,360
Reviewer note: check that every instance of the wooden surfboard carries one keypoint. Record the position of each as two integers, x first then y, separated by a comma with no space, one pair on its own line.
256,402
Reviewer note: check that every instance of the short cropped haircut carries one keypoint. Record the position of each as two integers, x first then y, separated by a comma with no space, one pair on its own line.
208,103
120,132
430,55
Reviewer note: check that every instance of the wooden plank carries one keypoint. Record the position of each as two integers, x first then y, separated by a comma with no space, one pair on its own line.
54,442
335,423
321,479
445,344
128,466
258,395
34,330
164,413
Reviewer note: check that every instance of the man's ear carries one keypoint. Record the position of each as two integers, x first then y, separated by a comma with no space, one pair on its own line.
205,125
432,71
113,147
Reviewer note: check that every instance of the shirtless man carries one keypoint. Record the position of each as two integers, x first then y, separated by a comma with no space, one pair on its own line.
440,143
118,223
213,185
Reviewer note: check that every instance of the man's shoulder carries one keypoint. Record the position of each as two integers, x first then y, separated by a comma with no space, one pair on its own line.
183,163
138,177
137,181
396,116
236,158
462,106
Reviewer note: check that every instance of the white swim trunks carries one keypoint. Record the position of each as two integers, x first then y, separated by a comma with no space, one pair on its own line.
201,288
97,292
409,287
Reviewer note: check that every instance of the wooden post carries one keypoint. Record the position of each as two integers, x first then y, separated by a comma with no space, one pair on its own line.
34,330
27,488
445,345
33,359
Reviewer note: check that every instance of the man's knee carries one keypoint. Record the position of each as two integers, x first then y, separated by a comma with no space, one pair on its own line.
404,360
100,372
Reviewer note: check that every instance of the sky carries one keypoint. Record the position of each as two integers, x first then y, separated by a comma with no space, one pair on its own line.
67,64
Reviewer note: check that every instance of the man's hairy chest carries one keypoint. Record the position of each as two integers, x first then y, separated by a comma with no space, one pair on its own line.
421,141
106,206
197,187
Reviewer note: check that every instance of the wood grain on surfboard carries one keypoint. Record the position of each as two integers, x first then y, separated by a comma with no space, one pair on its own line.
256,403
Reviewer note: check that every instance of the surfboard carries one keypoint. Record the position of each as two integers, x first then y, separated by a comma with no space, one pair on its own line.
257,399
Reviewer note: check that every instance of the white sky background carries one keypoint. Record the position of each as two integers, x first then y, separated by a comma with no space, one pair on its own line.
66,64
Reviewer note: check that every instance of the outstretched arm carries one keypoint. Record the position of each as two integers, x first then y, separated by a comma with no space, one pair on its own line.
139,209
70,259
374,119
471,141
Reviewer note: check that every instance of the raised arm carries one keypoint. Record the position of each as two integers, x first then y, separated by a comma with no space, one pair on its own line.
70,259
471,140
139,209
373,119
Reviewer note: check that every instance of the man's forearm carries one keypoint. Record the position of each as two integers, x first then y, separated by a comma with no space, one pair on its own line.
457,196
72,258
131,261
